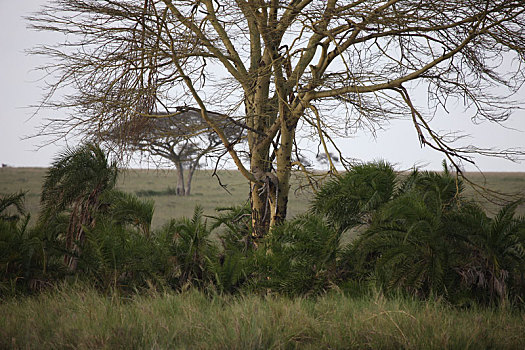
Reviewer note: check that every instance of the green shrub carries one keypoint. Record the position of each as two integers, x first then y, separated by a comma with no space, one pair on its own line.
492,263
350,199
429,240
74,184
116,257
299,257
28,258
410,243
234,226
127,209
190,251
234,269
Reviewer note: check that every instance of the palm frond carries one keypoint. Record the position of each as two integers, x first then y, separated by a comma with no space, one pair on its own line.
300,256
15,200
128,209
348,200
74,175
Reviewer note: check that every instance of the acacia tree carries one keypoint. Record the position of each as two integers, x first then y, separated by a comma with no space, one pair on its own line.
179,136
286,65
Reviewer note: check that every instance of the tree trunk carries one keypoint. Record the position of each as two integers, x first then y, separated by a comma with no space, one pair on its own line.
191,171
261,211
284,170
180,178
79,219
259,166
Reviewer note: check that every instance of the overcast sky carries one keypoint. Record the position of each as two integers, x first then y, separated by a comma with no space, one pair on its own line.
398,143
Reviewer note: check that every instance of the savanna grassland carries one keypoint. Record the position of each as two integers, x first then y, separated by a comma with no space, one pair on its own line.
429,272
159,185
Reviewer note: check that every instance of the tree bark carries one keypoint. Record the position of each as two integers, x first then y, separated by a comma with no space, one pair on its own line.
284,170
180,178
189,178
257,105
260,202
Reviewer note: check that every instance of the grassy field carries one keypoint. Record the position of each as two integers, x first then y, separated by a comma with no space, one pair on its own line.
81,318
206,191
157,185
507,183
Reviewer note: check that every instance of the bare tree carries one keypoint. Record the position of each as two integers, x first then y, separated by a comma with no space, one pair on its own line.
179,136
316,65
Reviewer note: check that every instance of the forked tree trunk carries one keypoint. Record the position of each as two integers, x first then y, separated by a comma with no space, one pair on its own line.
269,196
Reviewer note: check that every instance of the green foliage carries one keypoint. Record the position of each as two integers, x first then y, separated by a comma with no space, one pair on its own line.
428,240
417,234
16,258
492,265
236,264
127,209
75,182
8,201
435,188
409,245
26,254
299,257
116,257
233,271
77,175
350,199
410,242
190,250
235,228
119,251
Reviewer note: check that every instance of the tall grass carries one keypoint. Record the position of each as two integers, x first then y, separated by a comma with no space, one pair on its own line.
81,318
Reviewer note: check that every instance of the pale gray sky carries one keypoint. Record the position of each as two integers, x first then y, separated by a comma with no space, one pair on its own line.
19,89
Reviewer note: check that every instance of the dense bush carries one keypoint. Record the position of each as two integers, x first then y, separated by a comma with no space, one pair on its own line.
116,257
349,200
428,240
413,234
29,258
235,268
492,262
74,185
299,257
190,251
